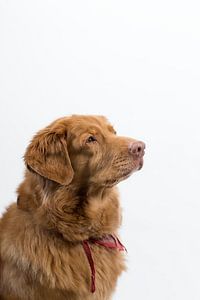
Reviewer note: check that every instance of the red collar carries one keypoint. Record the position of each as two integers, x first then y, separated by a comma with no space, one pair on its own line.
108,241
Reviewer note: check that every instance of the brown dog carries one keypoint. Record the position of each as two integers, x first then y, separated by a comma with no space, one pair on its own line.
59,240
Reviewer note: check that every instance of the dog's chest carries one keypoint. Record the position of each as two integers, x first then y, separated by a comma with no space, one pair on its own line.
66,275
71,277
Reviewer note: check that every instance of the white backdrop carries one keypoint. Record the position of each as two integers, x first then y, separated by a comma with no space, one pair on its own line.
137,62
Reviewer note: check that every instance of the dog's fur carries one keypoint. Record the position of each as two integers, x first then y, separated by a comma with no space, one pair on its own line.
68,195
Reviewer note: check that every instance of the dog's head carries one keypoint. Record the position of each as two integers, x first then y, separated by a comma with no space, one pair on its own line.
82,150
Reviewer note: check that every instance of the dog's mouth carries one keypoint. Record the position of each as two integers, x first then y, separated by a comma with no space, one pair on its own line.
140,164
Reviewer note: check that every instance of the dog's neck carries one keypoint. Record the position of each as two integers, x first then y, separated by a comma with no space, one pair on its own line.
75,212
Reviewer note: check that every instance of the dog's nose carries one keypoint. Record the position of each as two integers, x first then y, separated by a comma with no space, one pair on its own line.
137,149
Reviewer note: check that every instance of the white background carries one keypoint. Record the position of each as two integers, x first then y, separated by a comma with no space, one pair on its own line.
138,63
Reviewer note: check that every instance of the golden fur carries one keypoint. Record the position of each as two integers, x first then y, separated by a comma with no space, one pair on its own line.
68,195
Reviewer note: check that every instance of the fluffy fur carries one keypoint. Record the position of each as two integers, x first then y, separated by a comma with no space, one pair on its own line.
68,195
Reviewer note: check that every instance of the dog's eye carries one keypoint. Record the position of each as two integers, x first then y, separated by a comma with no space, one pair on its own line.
91,139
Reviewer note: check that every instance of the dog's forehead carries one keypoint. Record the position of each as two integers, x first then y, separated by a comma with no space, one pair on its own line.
85,123
78,124
89,119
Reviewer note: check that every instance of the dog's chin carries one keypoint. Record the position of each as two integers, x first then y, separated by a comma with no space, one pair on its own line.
135,166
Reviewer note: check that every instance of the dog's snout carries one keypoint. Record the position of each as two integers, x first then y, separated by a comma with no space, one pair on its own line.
137,148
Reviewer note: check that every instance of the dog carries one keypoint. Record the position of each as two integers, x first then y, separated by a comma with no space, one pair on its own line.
59,240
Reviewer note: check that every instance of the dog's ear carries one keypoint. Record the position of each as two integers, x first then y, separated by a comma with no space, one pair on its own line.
48,156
